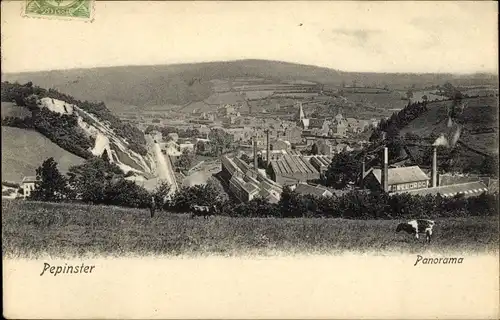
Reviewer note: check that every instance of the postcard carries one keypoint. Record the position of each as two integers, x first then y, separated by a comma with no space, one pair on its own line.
249,160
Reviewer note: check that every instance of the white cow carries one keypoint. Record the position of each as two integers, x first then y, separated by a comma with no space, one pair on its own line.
417,226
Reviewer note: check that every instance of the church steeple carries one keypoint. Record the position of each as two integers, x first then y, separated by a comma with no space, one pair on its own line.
300,114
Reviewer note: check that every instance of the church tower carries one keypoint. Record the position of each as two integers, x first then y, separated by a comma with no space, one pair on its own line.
300,114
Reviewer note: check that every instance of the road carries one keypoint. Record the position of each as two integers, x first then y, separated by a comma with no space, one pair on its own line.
202,174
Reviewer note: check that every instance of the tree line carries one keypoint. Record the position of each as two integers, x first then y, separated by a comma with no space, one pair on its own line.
99,182
62,129
26,95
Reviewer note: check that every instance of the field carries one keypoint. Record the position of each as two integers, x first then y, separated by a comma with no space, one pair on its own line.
23,151
10,109
180,84
32,229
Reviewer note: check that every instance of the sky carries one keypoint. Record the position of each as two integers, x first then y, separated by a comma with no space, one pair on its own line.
456,37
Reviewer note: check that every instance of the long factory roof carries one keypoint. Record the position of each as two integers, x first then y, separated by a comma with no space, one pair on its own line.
467,189
292,164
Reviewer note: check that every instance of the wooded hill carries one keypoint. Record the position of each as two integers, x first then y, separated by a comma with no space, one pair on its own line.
182,83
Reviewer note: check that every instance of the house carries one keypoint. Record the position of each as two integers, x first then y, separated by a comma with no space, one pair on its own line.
374,122
172,136
156,135
292,134
338,128
281,145
28,185
398,179
353,125
172,149
227,110
189,146
319,127
363,125
341,147
339,118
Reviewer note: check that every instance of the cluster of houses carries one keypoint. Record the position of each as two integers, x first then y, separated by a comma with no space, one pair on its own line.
336,127
286,167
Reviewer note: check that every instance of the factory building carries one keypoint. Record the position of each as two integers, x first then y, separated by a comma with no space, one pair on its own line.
414,181
245,183
321,163
307,189
292,169
399,179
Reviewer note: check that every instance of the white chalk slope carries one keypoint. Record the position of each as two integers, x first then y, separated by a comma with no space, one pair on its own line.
116,147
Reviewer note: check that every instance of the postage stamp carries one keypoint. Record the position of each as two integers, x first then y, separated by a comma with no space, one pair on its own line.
60,9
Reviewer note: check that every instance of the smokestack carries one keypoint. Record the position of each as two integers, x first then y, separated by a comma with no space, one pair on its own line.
268,150
255,153
434,167
385,171
363,171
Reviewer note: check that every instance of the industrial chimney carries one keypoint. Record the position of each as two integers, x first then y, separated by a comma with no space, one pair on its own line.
434,166
255,153
363,172
385,171
268,150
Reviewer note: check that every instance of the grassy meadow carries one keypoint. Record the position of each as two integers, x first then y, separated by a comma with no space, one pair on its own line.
23,151
31,229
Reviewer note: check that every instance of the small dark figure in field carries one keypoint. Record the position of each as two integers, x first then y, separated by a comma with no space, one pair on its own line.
152,207
415,227
202,211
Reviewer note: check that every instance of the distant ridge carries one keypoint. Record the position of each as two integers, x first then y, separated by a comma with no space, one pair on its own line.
174,84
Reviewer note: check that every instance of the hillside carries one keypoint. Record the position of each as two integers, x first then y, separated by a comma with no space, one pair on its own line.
479,122
82,128
143,86
23,151
10,109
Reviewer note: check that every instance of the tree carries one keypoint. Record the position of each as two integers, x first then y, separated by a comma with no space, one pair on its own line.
220,140
246,158
161,195
51,185
290,204
90,179
121,192
409,95
202,195
342,171
320,147
425,99
185,161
